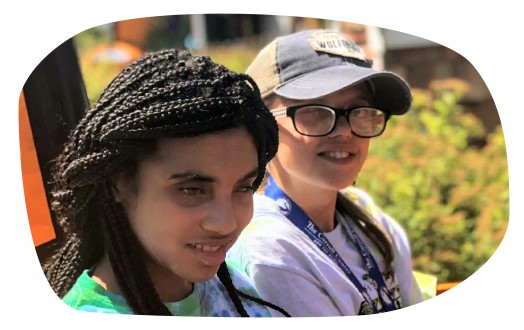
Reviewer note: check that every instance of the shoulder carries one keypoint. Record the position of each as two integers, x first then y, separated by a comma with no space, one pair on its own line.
361,198
270,239
218,301
243,283
264,205
87,295
239,278
365,201
268,223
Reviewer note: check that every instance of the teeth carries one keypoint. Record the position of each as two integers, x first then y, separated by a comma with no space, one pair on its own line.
207,248
337,154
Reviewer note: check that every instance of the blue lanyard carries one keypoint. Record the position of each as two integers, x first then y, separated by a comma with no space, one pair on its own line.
300,219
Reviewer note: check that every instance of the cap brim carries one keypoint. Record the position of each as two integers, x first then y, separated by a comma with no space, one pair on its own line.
392,93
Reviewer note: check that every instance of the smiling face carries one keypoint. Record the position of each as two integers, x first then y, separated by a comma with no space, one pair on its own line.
330,162
192,200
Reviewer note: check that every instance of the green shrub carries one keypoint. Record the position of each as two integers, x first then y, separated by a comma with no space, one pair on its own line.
451,196
235,57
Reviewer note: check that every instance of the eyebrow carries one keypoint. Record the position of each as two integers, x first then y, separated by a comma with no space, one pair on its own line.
251,174
196,176
192,175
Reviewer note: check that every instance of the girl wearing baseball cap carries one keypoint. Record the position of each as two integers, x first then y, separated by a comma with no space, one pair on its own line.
317,245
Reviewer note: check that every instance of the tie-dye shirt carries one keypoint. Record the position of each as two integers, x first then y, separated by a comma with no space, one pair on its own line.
207,298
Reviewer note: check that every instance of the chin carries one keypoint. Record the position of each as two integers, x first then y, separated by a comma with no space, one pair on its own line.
204,274
337,184
346,182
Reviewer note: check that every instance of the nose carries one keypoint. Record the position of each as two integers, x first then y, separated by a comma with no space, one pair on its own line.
342,127
222,219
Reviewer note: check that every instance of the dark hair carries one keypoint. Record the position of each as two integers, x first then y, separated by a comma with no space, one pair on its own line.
370,227
168,93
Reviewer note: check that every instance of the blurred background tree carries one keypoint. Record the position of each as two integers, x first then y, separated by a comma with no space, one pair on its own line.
444,179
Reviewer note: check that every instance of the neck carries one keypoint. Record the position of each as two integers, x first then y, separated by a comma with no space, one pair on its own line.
169,287
104,275
318,203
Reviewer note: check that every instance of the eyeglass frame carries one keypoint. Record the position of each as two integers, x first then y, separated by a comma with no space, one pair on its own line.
290,112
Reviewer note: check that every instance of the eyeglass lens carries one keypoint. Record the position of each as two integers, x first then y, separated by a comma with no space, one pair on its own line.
318,121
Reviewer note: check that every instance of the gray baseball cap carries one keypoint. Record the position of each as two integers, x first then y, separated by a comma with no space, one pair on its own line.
314,63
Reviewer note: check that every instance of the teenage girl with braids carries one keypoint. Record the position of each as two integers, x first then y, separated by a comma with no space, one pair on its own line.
154,186
314,246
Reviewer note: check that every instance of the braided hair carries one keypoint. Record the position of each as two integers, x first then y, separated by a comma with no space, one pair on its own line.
168,93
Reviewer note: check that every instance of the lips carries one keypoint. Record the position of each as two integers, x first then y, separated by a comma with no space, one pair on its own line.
211,254
207,248
337,155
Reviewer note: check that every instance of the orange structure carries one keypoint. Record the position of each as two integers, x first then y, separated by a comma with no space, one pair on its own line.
133,31
35,196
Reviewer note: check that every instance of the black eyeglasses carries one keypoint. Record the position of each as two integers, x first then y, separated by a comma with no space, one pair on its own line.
320,120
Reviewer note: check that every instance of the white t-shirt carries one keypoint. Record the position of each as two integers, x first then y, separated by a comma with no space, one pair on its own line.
289,270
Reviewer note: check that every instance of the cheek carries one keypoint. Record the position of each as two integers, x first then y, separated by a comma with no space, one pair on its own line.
295,148
159,220
244,209
364,148
164,233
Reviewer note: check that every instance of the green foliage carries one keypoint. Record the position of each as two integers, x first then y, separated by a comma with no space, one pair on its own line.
235,57
99,69
450,195
92,37
96,75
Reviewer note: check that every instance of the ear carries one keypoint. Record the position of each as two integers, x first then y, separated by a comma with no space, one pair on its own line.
118,188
